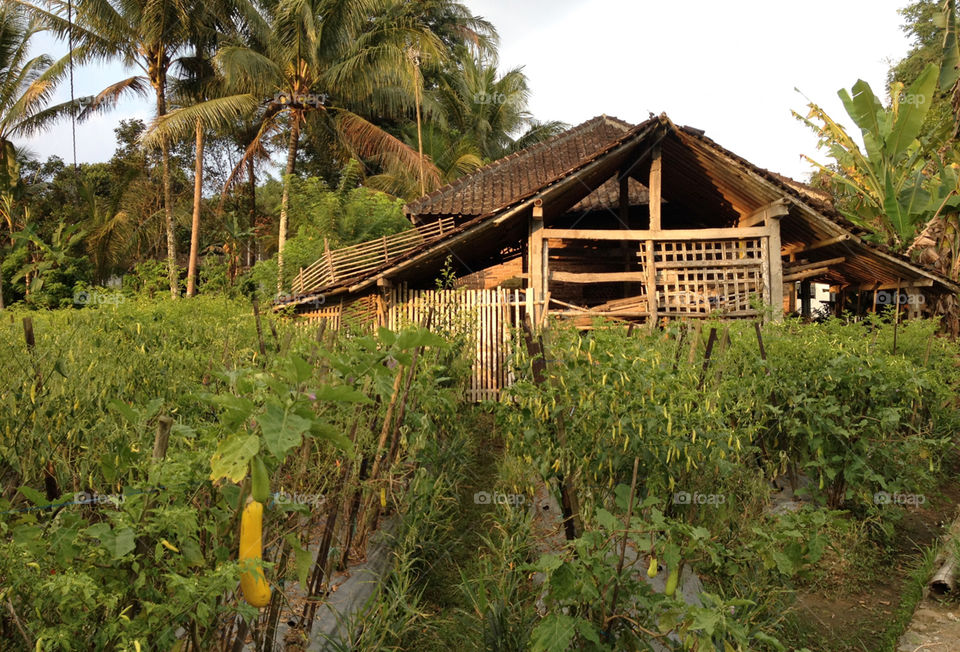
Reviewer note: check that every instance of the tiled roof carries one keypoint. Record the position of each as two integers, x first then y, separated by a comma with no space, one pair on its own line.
607,196
505,180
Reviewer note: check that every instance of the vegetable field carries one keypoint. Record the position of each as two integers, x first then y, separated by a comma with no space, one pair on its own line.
185,476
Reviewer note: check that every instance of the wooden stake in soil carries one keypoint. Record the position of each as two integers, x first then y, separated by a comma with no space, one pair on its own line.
623,545
568,492
256,316
28,333
711,340
896,317
162,439
763,350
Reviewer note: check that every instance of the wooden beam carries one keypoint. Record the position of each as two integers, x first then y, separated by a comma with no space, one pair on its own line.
597,277
918,283
790,269
659,234
656,165
817,244
773,210
810,273
651,283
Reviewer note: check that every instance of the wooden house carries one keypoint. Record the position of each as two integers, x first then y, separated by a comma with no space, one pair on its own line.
634,222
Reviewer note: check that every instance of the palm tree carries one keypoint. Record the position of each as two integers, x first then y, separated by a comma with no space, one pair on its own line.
487,109
26,86
147,34
198,84
321,64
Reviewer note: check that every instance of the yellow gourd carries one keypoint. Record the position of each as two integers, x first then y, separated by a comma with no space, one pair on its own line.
652,570
254,585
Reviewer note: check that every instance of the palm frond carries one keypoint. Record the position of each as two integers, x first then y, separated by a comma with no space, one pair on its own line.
220,112
370,141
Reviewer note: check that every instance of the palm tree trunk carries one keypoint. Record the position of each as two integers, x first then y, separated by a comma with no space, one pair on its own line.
1,284
167,195
285,197
195,226
252,183
416,81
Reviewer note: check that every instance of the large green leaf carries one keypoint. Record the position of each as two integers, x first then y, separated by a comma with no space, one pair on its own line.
233,457
863,108
914,107
553,634
951,51
282,429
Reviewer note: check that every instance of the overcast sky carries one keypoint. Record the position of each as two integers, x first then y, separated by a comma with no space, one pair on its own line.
729,68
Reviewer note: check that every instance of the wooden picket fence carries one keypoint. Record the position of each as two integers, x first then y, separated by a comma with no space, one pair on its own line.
487,321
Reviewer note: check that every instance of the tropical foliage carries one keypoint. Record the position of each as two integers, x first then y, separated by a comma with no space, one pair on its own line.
387,94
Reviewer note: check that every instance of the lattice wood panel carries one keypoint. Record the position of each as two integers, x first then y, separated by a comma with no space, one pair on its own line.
699,277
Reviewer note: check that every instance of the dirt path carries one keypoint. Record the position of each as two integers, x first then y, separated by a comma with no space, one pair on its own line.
869,610
935,628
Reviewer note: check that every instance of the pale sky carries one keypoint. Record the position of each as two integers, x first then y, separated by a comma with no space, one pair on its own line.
728,67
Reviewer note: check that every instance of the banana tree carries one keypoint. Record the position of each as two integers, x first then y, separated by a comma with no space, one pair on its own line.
885,187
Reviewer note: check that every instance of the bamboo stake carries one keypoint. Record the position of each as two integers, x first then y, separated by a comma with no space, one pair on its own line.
256,316
711,340
623,543
568,493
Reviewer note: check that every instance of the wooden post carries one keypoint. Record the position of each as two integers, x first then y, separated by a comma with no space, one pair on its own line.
160,442
896,317
776,268
386,252
301,280
28,333
256,316
536,258
805,307
651,285
655,191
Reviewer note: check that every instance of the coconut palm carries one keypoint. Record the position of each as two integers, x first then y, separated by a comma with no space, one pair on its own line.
146,34
488,109
27,84
199,83
322,66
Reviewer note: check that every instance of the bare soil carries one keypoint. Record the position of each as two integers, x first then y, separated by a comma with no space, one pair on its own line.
867,611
